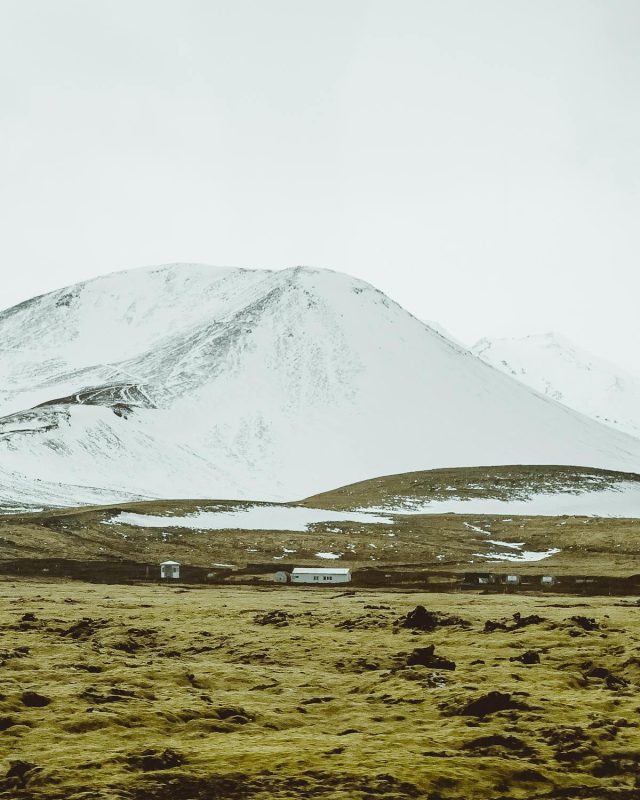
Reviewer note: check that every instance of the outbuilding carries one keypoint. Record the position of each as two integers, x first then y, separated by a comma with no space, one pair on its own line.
321,575
281,576
478,579
170,569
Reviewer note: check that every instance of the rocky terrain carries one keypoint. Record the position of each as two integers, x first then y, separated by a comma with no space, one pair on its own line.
175,693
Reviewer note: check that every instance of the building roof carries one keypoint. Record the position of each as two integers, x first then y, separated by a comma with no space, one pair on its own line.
169,563
320,571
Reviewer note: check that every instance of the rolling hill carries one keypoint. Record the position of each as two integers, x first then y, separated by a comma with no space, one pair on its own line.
525,519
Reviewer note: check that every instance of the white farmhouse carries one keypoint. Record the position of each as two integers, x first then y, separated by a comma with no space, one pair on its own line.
321,575
170,569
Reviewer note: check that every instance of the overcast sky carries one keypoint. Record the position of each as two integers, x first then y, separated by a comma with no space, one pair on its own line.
478,160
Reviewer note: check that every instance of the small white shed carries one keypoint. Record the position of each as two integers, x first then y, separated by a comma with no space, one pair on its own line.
321,575
170,569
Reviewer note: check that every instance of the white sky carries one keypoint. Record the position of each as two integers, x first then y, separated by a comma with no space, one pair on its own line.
478,160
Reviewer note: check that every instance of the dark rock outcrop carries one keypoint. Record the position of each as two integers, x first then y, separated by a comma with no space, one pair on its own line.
421,619
426,657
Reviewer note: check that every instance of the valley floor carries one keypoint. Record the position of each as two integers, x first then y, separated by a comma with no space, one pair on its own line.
180,692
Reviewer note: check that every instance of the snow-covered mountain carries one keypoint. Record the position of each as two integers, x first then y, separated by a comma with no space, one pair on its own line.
194,381
556,367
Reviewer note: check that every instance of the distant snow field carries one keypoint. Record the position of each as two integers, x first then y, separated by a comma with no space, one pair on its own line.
254,518
515,554
621,500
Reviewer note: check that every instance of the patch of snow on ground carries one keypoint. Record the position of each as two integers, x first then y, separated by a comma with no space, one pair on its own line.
560,369
515,545
268,518
514,550
475,528
520,556
328,555
621,500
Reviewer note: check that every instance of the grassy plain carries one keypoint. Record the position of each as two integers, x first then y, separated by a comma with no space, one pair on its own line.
188,693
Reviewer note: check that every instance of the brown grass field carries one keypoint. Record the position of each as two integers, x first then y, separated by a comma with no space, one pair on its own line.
184,693
589,545
448,542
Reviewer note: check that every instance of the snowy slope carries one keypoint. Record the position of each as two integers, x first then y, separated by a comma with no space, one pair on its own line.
559,369
193,381
444,332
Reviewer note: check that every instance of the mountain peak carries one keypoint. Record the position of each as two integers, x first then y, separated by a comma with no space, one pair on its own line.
189,380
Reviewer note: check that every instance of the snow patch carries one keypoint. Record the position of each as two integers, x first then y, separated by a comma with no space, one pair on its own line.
475,528
524,555
513,545
621,500
268,518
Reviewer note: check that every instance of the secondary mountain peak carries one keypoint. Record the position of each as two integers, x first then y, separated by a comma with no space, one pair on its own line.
552,364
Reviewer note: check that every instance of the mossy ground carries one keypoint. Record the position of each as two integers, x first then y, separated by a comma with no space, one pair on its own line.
174,692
